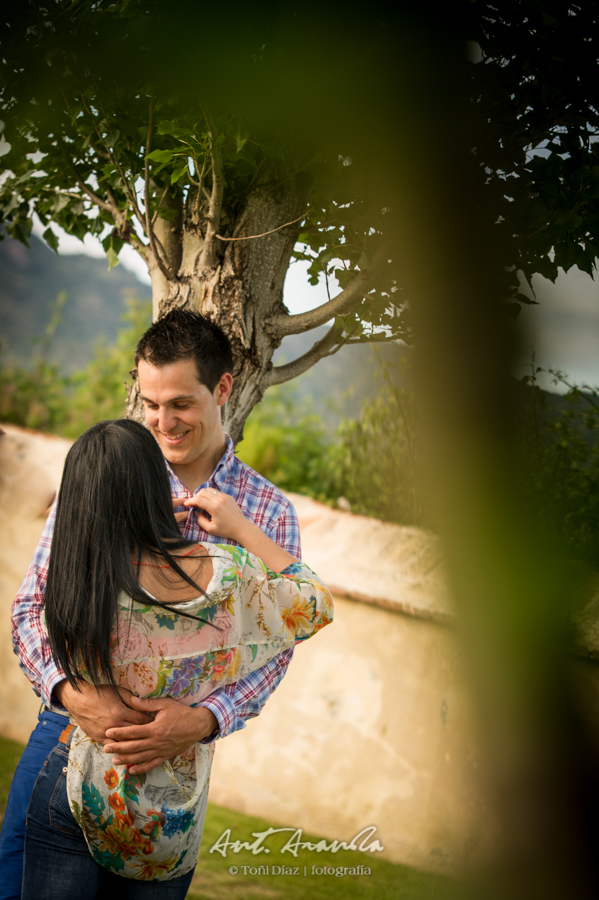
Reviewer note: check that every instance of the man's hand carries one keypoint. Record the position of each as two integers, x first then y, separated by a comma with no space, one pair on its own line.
175,728
180,516
98,709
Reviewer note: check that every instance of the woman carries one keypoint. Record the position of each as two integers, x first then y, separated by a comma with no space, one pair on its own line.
130,603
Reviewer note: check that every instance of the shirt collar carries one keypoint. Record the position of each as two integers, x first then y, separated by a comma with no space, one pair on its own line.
223,467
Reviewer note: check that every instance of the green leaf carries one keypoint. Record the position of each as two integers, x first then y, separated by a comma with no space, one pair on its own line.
161,156
245,155
113,258
167,212
51,239
169,126
112,137
92,798
241,142
177,173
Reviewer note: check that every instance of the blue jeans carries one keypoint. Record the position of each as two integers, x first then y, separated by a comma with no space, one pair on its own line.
58,864
12,838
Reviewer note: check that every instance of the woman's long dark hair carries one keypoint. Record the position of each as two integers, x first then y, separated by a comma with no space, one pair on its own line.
113,506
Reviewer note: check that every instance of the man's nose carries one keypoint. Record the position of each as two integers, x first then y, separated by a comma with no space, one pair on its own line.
166,420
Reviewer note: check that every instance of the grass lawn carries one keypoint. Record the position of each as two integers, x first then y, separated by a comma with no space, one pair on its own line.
213,881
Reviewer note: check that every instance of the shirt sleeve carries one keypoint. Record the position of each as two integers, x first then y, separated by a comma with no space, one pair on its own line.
30,642
286,533
310,609
235,703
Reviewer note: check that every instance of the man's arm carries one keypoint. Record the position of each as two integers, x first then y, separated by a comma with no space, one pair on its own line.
286,532
30,642
94,709
176,727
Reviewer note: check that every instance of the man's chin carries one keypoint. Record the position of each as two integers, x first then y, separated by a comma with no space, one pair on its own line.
175,455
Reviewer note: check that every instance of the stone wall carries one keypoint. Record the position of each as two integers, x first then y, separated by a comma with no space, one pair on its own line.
30,471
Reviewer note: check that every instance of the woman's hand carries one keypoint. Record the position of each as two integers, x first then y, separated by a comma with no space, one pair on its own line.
226,519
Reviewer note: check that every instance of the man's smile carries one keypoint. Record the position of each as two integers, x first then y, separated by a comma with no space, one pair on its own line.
173,438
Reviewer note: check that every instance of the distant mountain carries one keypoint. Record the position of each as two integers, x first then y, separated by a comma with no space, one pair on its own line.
30,280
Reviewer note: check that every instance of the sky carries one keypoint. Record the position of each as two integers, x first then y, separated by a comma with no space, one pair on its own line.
563,329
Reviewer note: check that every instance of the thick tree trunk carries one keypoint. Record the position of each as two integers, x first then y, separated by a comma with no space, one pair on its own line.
240,285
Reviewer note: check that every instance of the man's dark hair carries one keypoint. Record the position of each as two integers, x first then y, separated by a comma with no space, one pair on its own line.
183,334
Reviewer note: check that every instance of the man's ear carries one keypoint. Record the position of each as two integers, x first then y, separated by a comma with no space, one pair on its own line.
223,389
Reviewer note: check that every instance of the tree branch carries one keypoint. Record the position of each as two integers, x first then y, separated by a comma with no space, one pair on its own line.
338,306
162,265
377,338
207,258
251,237
323,347
91,194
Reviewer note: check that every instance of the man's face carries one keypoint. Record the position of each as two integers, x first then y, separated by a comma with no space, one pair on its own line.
182,414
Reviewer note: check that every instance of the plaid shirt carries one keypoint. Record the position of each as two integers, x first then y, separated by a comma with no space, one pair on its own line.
261,502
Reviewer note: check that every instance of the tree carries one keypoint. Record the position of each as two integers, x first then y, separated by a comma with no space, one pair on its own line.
207,169
215,203
535,89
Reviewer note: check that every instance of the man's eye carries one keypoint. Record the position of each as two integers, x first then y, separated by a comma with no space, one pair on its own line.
151,405
181,405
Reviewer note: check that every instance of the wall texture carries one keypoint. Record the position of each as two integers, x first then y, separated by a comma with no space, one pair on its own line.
30,471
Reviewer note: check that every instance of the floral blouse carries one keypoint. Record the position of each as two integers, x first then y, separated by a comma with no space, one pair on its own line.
142,826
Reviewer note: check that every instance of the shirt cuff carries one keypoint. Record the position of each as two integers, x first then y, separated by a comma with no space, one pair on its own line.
224,710
48,686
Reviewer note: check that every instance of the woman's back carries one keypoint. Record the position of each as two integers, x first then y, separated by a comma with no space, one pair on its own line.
159,579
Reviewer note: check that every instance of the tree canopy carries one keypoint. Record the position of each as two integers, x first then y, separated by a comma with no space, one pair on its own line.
537,97
216,201
224,151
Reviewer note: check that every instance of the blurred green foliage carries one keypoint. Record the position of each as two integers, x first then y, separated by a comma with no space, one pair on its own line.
373,461
287,443
562,462
41,397
369,465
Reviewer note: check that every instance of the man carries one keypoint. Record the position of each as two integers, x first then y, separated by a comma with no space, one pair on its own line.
184,365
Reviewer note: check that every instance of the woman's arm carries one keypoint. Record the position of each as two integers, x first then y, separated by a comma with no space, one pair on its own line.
227,521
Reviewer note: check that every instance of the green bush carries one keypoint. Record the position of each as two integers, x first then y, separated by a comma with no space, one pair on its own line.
41,397
373,461
369,465
286,443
